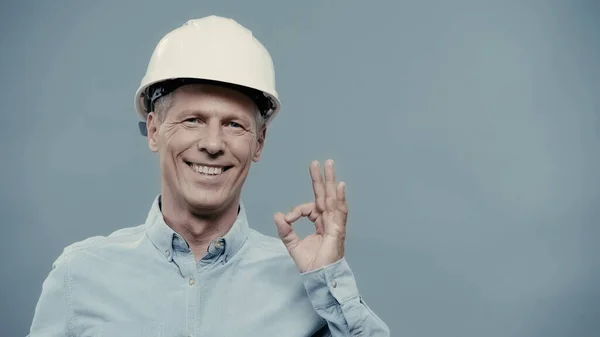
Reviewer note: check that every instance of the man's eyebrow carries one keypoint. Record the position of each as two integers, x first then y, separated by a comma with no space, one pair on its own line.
223,115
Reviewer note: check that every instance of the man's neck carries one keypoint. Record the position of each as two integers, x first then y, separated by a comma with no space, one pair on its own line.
197,230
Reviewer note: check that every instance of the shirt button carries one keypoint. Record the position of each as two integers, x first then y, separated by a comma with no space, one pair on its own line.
218,245
192,281
334,284
167,252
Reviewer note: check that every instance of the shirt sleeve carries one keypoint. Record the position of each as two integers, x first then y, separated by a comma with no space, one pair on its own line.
333,292
51,316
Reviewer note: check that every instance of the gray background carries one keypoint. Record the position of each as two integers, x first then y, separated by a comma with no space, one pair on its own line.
467,133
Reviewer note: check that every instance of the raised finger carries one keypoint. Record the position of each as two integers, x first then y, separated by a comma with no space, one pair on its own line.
318,185
332,223
330,190
341,197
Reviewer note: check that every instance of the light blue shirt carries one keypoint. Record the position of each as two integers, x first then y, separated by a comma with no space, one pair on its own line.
145,282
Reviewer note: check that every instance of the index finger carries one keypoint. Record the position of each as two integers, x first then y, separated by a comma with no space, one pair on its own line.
318,185
306,210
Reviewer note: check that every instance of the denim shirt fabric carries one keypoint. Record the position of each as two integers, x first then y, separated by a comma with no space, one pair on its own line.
145,281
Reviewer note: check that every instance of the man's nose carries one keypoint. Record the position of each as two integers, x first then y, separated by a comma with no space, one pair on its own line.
211,141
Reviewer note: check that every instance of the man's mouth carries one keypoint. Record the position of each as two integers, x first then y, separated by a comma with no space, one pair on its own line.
211,170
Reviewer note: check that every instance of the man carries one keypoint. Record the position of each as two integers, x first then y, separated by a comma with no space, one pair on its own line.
195,268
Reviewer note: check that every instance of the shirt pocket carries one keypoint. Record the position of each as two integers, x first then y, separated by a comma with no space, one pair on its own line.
131,329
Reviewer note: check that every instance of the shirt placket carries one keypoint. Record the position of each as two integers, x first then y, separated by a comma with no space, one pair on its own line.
212,259
185,260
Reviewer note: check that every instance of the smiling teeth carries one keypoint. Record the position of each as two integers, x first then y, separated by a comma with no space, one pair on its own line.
207,169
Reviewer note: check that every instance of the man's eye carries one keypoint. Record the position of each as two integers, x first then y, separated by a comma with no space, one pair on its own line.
235,125
192,120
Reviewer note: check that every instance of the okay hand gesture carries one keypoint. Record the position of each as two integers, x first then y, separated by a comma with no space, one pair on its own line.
328,212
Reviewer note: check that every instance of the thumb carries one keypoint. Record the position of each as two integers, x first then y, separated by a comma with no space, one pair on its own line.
285,231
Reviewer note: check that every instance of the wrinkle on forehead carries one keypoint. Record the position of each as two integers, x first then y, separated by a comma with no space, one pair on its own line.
219,95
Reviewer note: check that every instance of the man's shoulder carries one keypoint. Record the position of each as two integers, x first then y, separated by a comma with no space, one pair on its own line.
120,238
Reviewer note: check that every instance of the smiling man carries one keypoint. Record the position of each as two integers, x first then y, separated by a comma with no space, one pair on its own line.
195,267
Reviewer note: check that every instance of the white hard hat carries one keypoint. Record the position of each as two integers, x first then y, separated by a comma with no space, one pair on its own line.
210,49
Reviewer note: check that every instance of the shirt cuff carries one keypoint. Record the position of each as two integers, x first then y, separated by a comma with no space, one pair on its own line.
330,285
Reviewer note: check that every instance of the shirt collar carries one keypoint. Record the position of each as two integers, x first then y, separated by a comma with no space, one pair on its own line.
165,239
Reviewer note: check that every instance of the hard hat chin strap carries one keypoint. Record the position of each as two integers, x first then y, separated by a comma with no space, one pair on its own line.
143,128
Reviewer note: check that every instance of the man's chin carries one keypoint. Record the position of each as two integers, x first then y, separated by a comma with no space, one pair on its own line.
207,205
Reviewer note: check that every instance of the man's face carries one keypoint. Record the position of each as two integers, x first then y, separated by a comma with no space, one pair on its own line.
206,143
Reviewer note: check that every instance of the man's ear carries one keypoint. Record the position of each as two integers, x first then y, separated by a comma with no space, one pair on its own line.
152,125
262,135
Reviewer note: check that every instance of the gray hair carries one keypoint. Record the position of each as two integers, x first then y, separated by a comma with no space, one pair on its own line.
164,103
